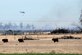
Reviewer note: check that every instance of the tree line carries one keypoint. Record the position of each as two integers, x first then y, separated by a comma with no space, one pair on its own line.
10,26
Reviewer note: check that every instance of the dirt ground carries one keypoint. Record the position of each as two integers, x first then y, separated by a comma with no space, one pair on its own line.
43,45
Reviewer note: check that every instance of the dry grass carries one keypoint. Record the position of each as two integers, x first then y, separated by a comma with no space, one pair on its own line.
44,45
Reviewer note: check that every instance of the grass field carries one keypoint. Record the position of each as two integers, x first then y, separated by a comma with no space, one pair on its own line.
43,45
40,54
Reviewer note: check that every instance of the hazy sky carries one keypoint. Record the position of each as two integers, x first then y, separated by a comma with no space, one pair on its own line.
57,12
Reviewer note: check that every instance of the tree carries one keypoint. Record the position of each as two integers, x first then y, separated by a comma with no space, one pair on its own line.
1,26
60,30
21,25
28,26
80,18
33,27
80,21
